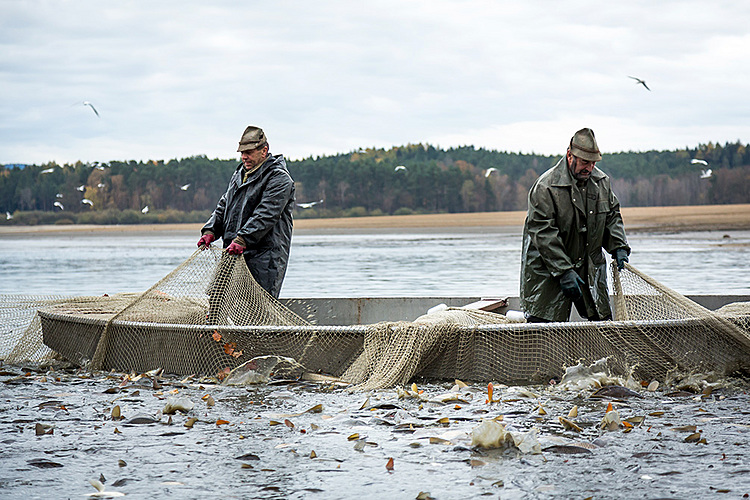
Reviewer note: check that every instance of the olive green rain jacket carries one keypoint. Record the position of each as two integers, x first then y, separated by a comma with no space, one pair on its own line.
566,228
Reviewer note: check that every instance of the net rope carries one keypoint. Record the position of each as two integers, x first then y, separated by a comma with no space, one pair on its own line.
209,316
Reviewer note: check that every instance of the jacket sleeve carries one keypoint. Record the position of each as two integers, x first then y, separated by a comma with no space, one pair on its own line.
276,196
614,230
544,233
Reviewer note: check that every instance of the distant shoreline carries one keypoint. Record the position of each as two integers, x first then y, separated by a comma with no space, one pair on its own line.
637,219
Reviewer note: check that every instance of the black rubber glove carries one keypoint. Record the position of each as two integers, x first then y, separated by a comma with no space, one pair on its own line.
571,283
621,256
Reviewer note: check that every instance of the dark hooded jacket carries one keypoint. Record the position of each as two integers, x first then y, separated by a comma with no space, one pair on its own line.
567,227
258,210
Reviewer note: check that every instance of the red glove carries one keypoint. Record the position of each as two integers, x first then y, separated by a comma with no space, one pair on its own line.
206,240
235,249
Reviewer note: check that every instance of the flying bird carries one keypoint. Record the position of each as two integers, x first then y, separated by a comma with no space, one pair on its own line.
87,202
309,204
100,185
99,167
8,216
696,160
81,188
489,171
706,174
58,195
47,170
185,187
145,209
59,205
642,82
87,103
400,167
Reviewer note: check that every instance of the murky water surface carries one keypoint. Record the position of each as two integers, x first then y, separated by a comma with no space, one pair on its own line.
57,430
273,441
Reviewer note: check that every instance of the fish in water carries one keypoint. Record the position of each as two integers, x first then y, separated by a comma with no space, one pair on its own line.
567,449
177,404
259,370
615,391
101,492
141,420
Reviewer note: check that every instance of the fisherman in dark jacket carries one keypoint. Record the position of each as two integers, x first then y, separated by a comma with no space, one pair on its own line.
254,216
572,215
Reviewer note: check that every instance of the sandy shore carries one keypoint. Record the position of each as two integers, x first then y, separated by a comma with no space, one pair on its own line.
684,218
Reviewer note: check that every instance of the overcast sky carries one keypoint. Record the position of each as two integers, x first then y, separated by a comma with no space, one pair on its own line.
172,79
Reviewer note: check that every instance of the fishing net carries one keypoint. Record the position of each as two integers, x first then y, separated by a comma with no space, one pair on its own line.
209,316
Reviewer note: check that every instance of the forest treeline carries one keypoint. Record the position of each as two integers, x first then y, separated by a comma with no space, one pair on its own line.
415,178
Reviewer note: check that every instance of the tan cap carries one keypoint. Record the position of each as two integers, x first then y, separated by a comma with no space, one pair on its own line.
583,145
252,137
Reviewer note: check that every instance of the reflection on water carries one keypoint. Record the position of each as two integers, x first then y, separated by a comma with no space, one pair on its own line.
469,262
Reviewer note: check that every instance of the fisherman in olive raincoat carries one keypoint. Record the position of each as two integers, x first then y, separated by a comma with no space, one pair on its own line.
572,216
254,216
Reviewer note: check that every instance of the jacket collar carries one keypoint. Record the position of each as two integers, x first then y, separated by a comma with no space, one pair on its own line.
245,175
561,176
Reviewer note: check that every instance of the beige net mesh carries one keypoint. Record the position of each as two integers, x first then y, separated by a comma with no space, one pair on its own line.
208,316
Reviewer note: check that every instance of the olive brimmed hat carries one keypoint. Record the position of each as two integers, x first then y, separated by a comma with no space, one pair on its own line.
253,137
583,145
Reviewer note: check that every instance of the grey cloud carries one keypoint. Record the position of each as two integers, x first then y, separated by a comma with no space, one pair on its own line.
173,79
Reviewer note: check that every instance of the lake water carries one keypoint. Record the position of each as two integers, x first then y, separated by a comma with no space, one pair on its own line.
465,262
57,430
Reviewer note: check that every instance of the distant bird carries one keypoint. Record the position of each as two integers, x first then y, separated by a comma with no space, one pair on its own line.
400,167
8,216
81,188
87,103
696,160
185,187
58,195
87,202
145,209
47,170
489,171
642,82
99,167
59,205
309,204
706,174
100,185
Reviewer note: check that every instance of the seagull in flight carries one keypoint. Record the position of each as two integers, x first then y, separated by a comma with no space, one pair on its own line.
309,204
47,170
145,209
400,167
696,160
642,82
87,202
58,195
185,187
87,103
8,216
706,174
489,171
81,188
59,205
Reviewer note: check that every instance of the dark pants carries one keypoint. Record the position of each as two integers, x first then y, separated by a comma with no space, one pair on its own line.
581,311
